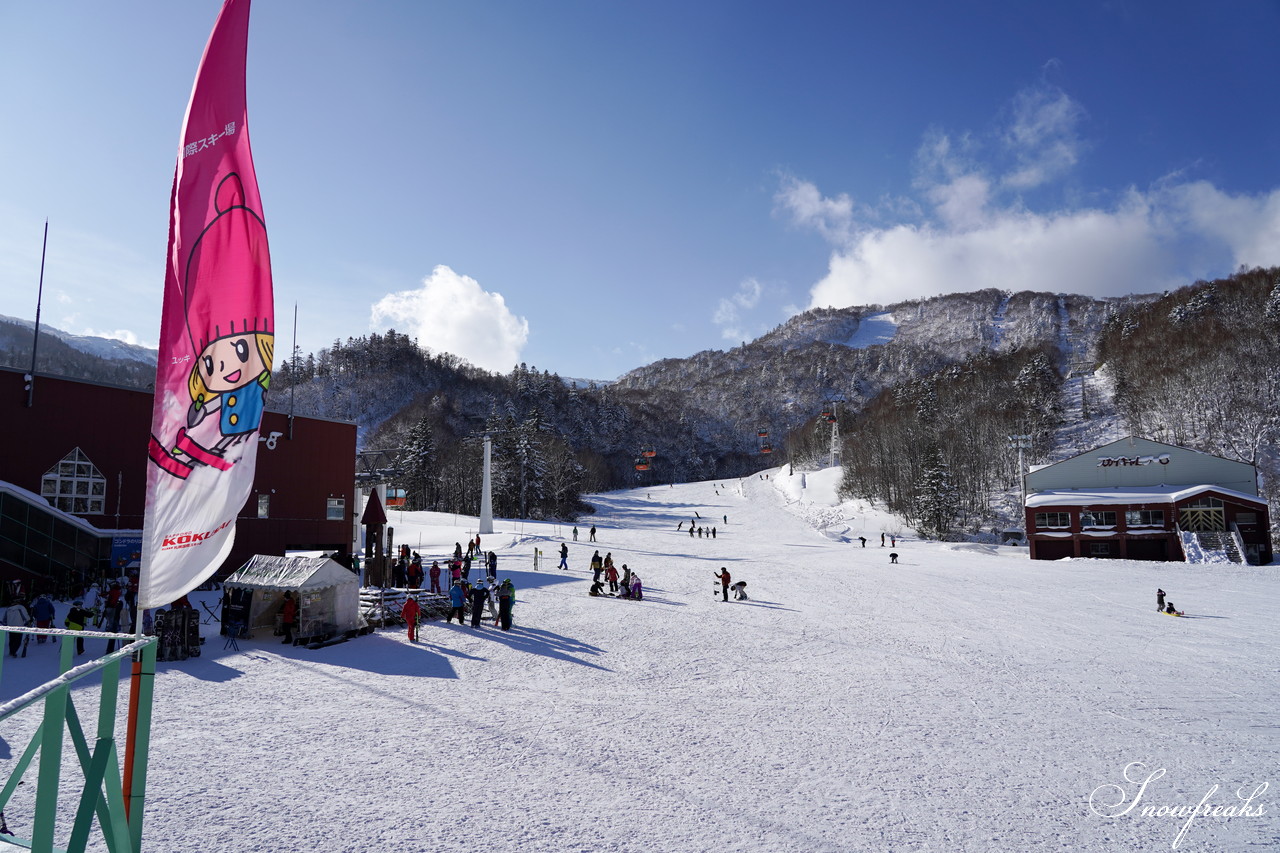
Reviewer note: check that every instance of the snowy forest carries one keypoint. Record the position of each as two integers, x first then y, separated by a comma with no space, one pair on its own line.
924,409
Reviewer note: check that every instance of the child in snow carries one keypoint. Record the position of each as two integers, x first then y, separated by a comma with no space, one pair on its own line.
740,591
1169,608
597,588
893,557
410,615
637,589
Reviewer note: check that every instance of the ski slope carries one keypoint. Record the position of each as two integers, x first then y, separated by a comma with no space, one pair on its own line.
966,699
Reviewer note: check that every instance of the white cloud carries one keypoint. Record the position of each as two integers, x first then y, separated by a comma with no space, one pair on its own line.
1042,136
126,335
831,217
453,313
1248,225
975,232
728,314
1088,251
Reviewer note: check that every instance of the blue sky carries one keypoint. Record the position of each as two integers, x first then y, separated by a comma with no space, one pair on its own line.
591,186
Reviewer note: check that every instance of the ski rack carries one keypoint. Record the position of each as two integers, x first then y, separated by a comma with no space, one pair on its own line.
103,793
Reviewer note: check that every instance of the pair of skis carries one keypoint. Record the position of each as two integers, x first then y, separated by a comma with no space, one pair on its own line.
178,467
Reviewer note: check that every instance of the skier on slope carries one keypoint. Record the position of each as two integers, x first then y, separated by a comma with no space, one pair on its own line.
724,577
564,556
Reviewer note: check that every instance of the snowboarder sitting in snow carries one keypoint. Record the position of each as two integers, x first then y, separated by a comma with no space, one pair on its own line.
597,588
1169,608
740,591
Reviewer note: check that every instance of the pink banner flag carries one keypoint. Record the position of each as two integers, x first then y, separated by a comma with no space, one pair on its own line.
215,332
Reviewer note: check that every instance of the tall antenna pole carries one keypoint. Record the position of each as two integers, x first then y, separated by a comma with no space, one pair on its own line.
35,341
486,494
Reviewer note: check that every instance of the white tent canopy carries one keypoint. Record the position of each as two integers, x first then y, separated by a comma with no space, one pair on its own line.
328,594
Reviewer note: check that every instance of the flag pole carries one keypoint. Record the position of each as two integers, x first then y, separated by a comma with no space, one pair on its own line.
35,340
293,379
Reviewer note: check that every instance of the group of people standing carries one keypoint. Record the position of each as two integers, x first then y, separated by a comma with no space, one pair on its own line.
408,572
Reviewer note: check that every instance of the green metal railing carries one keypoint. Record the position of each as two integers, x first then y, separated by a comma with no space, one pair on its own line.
103,795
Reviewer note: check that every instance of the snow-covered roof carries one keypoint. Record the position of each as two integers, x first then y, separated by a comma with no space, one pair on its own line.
308,573
43,503
1133,495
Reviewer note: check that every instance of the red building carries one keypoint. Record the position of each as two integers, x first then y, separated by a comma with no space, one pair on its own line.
73,482
1138,499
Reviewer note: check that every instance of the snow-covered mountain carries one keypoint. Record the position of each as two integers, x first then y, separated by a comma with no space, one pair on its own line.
108,348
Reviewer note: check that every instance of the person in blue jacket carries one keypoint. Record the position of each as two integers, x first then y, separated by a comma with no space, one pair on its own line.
42,612
457,598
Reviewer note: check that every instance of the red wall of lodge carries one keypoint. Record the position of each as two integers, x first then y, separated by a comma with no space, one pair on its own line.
1258,533
111,425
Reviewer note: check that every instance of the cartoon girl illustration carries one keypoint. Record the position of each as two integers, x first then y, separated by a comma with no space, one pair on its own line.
228,310
231,374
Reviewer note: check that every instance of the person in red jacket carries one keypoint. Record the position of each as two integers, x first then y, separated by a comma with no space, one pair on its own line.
410,614
724,582
288,616
435,576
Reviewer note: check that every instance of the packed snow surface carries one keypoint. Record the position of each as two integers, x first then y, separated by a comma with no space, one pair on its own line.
874,329
964,699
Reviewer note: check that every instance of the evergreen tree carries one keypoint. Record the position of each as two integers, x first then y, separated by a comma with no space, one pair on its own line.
418,459
935,507
1272,309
